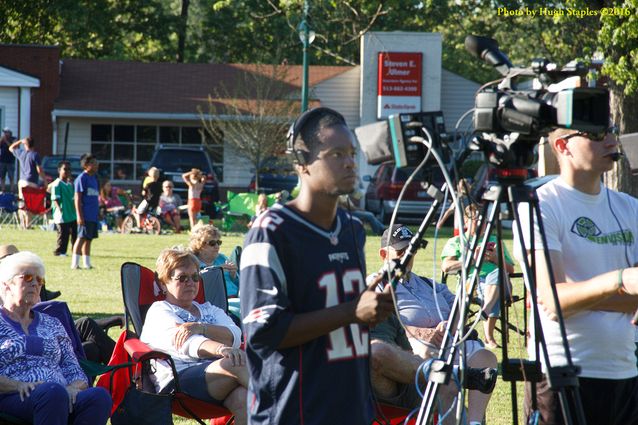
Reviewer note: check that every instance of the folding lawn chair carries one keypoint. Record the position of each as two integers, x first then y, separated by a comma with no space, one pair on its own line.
35,208
60,310
8,210
139,291
508,304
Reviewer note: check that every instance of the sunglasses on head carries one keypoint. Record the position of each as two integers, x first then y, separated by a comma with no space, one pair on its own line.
596,136
214,242
27,277
183,278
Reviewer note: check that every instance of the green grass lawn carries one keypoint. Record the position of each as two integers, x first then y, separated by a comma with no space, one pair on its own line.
97,292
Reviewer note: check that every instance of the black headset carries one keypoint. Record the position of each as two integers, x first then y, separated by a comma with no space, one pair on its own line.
301,156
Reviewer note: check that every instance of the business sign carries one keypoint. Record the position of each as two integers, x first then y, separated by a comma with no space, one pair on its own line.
399,83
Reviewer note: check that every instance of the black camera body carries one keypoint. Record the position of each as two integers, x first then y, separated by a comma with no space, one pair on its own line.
535,112
513,120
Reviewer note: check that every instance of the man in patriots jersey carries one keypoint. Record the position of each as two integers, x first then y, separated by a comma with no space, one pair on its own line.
305,306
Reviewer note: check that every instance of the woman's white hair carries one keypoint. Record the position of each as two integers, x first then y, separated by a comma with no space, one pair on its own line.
18,262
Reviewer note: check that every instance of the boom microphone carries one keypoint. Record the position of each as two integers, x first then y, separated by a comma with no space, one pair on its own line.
487,49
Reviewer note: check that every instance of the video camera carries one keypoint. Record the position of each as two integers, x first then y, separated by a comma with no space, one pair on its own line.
514,119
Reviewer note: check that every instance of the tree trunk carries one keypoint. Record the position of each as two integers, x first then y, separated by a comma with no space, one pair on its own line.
624,110
181,32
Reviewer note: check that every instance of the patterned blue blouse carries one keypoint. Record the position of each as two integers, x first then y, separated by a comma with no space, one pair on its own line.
46,354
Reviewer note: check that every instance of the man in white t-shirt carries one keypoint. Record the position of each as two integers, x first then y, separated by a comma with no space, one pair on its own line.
591,235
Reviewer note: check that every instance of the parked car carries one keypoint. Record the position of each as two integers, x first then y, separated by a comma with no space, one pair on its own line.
388,181
275,174
50,167
173,161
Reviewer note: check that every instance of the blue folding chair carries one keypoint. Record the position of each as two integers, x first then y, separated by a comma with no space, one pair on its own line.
8,210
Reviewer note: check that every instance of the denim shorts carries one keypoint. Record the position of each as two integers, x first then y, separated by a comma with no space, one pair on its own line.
192,381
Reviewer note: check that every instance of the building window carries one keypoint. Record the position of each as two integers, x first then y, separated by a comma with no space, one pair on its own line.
124,151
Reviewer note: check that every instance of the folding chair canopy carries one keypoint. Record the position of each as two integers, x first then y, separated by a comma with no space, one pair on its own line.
241,205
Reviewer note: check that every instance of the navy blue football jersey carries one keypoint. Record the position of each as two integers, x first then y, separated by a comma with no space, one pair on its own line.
290,266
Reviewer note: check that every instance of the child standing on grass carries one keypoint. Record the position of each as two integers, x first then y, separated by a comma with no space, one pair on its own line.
87,191
64,215
195,180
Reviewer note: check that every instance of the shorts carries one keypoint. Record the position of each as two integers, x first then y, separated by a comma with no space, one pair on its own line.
605,401
407,397
195,205
492,280
88,231
170,215
142,207
192,381
7,169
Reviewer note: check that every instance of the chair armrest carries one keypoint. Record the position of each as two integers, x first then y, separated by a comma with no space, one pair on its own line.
140,352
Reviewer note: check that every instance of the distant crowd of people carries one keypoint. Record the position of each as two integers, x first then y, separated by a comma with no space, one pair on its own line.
323,341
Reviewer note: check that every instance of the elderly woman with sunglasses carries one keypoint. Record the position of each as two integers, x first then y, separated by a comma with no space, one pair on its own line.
41,381
168,204
202,340
205,242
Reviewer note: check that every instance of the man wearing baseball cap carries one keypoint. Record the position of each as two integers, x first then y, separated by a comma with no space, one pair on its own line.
424,307
7,160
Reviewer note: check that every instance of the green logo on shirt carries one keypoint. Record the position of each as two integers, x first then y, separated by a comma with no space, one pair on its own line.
586,228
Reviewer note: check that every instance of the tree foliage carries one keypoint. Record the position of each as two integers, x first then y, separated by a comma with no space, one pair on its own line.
253,114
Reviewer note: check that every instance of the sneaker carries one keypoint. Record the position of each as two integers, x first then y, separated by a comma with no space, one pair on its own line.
75,267
87,268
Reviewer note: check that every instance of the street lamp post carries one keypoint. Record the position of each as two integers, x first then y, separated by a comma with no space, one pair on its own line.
306,35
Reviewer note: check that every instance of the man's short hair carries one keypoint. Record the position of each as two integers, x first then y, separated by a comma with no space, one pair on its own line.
29,142
308,139
86,159
63,163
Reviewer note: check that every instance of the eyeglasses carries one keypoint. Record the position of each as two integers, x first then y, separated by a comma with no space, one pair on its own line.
213,243
183,278
28,278
597,136
167,185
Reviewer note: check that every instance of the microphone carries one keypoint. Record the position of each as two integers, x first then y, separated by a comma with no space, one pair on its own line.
487,49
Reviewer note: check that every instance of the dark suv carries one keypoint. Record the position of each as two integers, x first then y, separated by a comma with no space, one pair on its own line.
50,167
173,161
386,184
275,174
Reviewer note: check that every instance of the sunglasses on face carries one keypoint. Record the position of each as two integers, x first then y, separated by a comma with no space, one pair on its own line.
597,136
214,243
183,278
28,278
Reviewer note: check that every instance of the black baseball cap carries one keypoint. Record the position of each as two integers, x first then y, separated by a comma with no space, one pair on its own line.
398,237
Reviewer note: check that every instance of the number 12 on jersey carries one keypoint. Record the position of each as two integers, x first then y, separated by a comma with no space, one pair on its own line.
347,342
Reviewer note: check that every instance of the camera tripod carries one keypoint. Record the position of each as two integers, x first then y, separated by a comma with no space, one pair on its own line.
562,379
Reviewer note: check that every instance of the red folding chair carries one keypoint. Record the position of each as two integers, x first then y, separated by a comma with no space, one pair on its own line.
34,207
139,291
